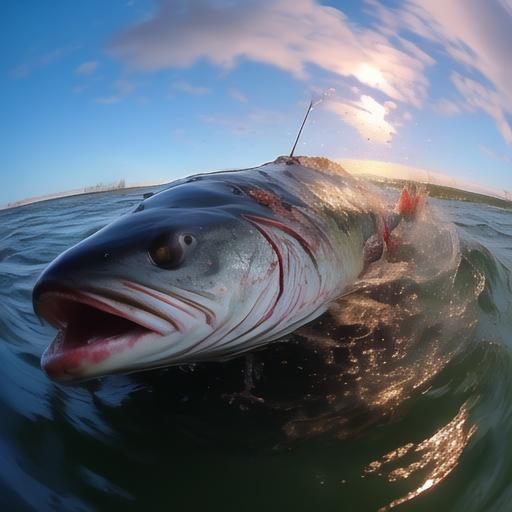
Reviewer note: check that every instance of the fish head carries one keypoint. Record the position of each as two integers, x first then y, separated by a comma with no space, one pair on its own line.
178,280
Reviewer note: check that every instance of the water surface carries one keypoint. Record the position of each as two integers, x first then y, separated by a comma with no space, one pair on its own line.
400,396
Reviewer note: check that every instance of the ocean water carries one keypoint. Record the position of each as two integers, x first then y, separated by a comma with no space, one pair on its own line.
399,397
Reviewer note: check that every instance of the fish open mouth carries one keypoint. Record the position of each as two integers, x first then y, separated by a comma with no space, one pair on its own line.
92,328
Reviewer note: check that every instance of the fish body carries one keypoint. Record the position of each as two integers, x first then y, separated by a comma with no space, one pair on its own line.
211,267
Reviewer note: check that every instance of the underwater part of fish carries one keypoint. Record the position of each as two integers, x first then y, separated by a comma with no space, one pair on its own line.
212,267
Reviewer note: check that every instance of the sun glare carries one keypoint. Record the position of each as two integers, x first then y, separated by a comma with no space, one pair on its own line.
370,75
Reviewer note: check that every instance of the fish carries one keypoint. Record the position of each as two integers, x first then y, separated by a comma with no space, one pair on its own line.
214,266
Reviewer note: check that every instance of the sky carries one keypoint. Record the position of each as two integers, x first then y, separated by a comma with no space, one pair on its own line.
145,90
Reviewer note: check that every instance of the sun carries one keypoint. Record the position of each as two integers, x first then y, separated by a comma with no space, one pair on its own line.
370,75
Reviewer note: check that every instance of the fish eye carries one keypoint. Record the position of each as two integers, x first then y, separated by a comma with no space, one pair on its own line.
169,252
188,239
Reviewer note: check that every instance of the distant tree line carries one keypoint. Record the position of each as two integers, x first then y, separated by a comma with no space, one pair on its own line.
100,187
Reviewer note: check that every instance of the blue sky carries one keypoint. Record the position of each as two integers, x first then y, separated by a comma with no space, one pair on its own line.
147,90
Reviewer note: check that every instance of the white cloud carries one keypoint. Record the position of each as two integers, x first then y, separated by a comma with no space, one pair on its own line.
367,116
481,97
87,68
122,88
288,34
238,95
477,35
197,90
42,61
474,38
237,126
242,125
492,154
448,108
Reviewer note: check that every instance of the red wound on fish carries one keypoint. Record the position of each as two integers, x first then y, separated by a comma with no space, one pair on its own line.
408,204
386,234
270,200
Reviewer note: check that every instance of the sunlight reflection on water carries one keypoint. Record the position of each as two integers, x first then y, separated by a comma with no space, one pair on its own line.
437,455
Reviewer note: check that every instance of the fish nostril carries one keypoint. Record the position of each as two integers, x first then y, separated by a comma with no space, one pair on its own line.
236,191
107,256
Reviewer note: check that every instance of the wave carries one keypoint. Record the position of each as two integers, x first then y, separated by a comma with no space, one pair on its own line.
402,387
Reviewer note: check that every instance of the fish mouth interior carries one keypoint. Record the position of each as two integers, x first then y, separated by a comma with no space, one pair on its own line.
91,329
84,325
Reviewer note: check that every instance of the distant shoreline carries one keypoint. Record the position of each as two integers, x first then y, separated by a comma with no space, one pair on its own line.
77,192
443,191
370,169
396,171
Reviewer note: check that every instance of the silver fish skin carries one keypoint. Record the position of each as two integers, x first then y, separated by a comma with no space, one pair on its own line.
213,266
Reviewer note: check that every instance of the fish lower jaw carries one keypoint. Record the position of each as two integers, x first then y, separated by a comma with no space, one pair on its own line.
136,350
65,362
